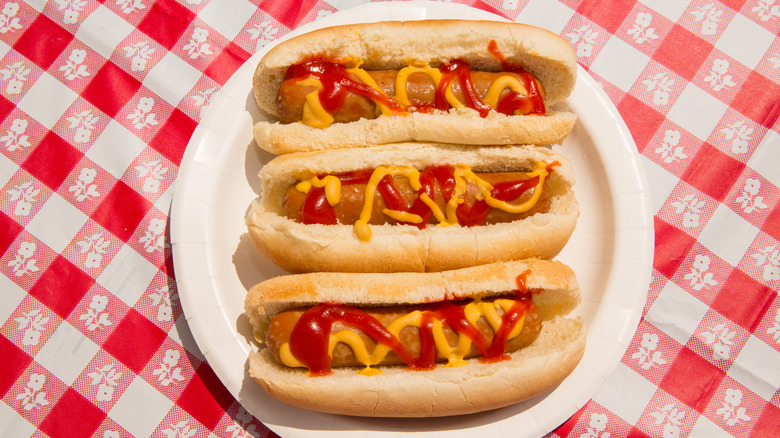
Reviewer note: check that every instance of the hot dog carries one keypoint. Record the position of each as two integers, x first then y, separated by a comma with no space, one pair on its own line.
413,207
454,81
416,344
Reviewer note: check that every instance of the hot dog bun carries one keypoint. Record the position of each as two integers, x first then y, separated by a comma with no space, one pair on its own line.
298,247
394,45
442,391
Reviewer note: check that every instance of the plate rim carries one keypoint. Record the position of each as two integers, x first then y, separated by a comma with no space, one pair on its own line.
181,201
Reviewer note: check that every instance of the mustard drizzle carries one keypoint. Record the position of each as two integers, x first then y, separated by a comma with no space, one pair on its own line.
314,114
454,354
463,177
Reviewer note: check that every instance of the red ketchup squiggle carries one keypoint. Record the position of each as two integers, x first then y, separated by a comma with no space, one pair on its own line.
316,209
533,103
462,71
503,191
510,319
337,82
310,338
445,176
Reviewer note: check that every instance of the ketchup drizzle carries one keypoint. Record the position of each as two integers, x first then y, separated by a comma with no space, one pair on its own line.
391,195
475,214
462,71
508,323
531,104
354,177
508,190
337,82
427,357
455,317
445,176
440,99
510,318
316,210
310,337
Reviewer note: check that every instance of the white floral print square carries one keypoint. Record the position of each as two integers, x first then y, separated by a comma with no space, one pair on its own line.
708,17
33,396
263,33
9,21
16,138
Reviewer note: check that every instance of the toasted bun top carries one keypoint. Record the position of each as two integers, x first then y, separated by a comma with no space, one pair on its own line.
391,45
561,290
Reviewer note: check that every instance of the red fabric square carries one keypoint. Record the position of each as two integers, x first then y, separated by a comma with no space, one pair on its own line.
72,417
608,14
479,4
62,286
9,229
172,139
43,41
52,160
134,341
121,211
566,428
6,106
683,52
111,88
692,380
166,22
15,361
743,300
288,13
771,225
768,423
713,172
671,247
205,398
757,99
734,4
636,433
223,67
642,120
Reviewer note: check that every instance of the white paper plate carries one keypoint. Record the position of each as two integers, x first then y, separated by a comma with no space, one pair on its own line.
611,250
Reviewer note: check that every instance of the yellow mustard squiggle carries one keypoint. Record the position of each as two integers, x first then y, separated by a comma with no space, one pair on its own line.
463,177
454,354
314,114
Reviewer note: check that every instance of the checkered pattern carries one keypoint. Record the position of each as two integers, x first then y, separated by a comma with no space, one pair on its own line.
99,99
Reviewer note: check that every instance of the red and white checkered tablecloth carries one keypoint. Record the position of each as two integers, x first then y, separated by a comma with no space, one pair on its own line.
98,100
